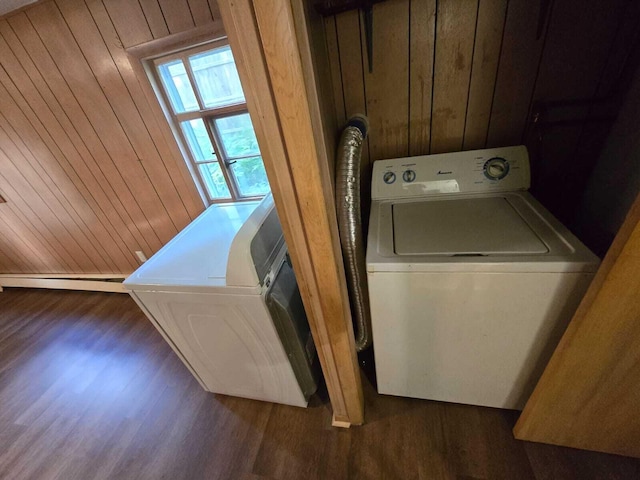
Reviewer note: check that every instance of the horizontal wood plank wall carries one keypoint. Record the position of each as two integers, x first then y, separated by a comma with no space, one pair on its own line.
89,170
452,75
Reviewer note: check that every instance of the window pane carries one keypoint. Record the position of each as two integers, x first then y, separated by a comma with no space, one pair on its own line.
198,139
177,85
251,177
237,136
217,78
214,179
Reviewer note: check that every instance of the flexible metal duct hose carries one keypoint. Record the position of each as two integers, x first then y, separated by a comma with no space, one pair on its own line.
350,224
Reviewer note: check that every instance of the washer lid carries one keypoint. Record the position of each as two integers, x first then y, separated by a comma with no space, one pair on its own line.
478,226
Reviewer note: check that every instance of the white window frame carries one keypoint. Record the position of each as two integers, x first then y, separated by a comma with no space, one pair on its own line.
208,115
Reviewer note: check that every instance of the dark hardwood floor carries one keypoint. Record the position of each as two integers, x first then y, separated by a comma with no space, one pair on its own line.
89,390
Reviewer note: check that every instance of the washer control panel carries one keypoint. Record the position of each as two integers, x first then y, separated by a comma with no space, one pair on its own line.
490,170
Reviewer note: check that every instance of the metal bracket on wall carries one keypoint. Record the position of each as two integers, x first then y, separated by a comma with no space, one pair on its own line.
333,7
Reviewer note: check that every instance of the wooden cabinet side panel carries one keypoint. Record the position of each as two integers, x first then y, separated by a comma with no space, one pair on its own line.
588,396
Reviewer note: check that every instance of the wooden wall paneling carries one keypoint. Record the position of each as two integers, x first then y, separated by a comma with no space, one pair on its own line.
517,70
26,237
130,22
154,17
48,228
422,34
89,129
316,65
387,86
19,186
9,261
25,246
76,234
215,10
177,15
352,58
350,52
200,12
569,71
622,60
149,108
82,26
90,142
588,396
60,43
484,68
45,181
331,36
455,33
59,170
17,247
91,136
339,365
84,167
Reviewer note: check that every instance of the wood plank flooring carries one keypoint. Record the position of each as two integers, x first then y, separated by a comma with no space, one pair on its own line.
89,390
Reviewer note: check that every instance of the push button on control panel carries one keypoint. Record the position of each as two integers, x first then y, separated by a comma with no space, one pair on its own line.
389,177
409,176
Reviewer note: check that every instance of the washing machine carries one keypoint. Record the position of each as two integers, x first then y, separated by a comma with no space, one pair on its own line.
224,296
472,281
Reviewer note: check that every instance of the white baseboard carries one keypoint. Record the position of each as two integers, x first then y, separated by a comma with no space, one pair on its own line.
92,283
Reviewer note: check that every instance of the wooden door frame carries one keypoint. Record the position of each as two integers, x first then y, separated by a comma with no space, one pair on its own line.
281,100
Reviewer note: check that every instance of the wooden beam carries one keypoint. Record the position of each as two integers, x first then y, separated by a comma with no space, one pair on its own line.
262,36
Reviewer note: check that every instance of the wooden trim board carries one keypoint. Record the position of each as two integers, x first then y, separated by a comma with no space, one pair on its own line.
262,35
171,43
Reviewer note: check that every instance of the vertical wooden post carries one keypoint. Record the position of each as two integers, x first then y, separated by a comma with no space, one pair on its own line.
262,35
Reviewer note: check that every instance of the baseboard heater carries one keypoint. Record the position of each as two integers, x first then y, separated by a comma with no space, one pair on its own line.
88,282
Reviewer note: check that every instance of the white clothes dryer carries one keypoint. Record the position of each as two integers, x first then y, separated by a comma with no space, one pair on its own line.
472,281
224,296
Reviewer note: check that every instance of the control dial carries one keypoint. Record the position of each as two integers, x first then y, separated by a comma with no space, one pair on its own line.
389,177
409,176
496,168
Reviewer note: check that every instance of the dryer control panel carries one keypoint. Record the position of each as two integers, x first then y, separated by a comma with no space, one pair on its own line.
475,171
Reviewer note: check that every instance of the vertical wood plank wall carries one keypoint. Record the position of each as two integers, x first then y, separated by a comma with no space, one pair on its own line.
88,168
450,75
91,173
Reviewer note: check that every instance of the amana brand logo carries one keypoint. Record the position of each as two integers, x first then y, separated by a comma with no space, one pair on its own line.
440,172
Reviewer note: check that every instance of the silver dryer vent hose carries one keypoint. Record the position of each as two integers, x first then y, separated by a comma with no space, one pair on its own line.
350,224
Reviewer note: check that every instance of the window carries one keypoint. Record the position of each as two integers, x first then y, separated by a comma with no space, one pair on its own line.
202,90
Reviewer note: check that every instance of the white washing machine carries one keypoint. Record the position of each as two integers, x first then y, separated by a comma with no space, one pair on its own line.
223,295
472,281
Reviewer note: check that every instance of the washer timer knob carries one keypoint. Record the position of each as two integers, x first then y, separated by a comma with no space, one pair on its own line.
496,168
